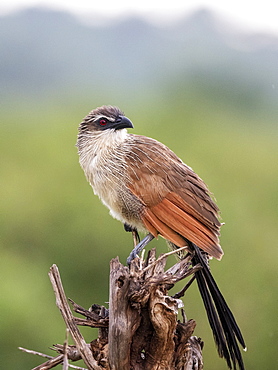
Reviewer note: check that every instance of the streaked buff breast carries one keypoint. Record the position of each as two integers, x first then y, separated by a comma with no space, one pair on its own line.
106,170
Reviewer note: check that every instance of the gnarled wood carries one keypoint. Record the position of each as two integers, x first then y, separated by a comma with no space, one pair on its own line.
140,331
154,337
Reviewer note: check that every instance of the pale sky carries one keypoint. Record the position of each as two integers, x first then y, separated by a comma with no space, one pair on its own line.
256,15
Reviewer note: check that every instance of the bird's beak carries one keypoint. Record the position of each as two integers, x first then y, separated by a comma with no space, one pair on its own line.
122,122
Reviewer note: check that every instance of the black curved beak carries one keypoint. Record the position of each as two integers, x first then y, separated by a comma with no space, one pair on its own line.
122,122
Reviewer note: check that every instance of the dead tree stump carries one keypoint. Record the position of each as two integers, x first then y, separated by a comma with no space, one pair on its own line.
141,329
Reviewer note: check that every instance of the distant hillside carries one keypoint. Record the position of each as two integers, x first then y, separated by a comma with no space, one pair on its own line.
43,51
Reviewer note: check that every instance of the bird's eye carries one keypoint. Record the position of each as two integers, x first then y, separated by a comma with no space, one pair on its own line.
102,122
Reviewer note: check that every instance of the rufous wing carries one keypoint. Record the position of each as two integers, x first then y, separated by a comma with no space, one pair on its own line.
177,203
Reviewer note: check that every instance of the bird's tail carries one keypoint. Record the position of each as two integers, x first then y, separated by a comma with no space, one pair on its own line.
222,322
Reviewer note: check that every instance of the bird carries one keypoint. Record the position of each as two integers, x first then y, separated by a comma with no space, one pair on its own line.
147,187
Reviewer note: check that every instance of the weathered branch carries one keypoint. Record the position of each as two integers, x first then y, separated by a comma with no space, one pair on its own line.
140,330
54,361
62,303
139,297
123,318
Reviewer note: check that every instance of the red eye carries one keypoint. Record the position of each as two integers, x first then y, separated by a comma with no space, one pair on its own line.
102,122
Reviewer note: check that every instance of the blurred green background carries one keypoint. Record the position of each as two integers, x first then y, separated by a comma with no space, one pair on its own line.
209,94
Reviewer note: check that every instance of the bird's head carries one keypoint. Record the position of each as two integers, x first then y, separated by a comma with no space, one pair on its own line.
104,118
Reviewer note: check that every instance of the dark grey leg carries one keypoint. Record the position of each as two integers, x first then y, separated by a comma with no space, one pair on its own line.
139,247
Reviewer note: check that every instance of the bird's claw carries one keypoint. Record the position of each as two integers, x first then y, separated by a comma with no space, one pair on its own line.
139,247
132,256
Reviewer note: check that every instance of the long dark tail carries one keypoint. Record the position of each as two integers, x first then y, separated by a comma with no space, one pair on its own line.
222,322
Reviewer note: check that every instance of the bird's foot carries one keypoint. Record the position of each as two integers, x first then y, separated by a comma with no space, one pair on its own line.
139,247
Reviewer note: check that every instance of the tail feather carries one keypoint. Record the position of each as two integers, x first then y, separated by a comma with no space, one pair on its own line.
224,327
213,318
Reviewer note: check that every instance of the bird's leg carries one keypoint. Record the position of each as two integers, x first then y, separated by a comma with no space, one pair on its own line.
135,235
138,248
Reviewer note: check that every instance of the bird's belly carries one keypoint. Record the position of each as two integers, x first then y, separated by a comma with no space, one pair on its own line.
116,196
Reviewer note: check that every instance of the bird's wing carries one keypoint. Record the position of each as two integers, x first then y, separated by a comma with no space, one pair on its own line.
177,203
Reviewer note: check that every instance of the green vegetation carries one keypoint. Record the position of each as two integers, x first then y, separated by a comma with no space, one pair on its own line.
50,215
209,94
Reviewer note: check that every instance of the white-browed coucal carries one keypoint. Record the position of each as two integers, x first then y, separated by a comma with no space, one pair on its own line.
147,187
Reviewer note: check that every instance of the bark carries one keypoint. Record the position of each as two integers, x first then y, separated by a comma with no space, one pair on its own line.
140,331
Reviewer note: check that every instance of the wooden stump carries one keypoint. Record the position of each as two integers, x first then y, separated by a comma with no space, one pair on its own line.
140,330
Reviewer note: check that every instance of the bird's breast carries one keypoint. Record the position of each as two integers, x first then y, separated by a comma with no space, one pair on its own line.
109,179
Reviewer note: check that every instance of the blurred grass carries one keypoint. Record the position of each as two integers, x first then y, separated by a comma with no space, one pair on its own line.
50,215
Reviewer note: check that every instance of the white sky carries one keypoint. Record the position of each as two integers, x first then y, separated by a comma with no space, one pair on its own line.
260,15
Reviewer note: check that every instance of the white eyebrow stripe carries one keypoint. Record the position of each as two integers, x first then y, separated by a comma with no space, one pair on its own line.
95,118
